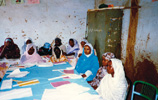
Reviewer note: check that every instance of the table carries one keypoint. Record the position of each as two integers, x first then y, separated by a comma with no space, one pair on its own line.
43,74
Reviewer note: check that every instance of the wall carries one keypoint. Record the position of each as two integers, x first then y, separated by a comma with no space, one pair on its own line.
139,38
45,21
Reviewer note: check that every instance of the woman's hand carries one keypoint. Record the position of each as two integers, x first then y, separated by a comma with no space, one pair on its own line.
83,75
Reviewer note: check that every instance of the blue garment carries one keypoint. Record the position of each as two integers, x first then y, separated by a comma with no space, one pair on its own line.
85,63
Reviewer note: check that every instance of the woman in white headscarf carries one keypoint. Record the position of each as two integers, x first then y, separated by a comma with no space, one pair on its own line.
114,85
27,41
81,46
73,48
30,55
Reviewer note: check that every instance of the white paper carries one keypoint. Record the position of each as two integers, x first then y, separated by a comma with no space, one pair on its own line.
16,93
16,73
64,92
47,64
6,84
55,78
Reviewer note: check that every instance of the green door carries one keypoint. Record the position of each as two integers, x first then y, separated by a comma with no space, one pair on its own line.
104,31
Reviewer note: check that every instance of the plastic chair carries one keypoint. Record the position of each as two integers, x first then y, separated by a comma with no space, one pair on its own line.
144,90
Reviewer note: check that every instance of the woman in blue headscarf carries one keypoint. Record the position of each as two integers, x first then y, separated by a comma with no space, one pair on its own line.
87,64
45,50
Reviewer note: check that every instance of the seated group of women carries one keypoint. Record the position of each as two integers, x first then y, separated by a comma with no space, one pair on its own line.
108,80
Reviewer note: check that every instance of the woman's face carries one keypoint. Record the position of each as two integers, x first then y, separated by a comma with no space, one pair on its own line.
28,42
57,53
57,43
31,51
104,61
110,68
71,43
87,50
83,43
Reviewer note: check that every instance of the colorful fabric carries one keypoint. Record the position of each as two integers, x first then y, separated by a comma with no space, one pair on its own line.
102,71
26,58
73,49
114,88
10,52
88,62
54,58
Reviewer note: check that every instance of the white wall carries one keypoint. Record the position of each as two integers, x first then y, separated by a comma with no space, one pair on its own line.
45,21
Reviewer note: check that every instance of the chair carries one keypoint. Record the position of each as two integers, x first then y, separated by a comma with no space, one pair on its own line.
144,90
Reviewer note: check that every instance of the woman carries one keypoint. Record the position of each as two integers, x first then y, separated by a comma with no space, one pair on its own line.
87,64
9,50
72,48
30,55
114,85
102,70
45,50
58,56
83,42
59,44
27,41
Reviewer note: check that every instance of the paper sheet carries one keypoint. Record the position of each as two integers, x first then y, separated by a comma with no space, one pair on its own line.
59,63
56,84
6,84
16,93
64,92
69,71
47,64
16,73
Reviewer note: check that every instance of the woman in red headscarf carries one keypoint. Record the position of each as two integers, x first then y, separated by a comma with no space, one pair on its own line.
9,50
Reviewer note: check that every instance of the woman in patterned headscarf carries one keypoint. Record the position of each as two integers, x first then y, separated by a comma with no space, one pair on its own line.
9,50
102,70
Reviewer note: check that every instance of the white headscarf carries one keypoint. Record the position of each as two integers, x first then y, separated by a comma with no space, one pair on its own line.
92,50
114,88
74,49
26,58
24,46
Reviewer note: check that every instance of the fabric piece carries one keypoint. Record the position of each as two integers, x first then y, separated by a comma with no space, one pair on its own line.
56,84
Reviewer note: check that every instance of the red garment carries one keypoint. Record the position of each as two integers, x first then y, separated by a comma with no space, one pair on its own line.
10,52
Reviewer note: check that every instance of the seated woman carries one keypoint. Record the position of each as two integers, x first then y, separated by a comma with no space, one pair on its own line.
45,50
27,41
72,48
102,70
87,64
58,56
59,44
30,55
9,50
81,46
114,85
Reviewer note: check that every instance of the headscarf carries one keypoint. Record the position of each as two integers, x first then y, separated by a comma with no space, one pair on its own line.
91,47
108,55
114,88
86,63
81,48
84,40
59,40
73,49
26,58
46,45
10,40
24,46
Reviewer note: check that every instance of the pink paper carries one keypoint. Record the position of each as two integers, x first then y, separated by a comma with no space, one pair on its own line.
33,1
56,84
66,77
69,71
